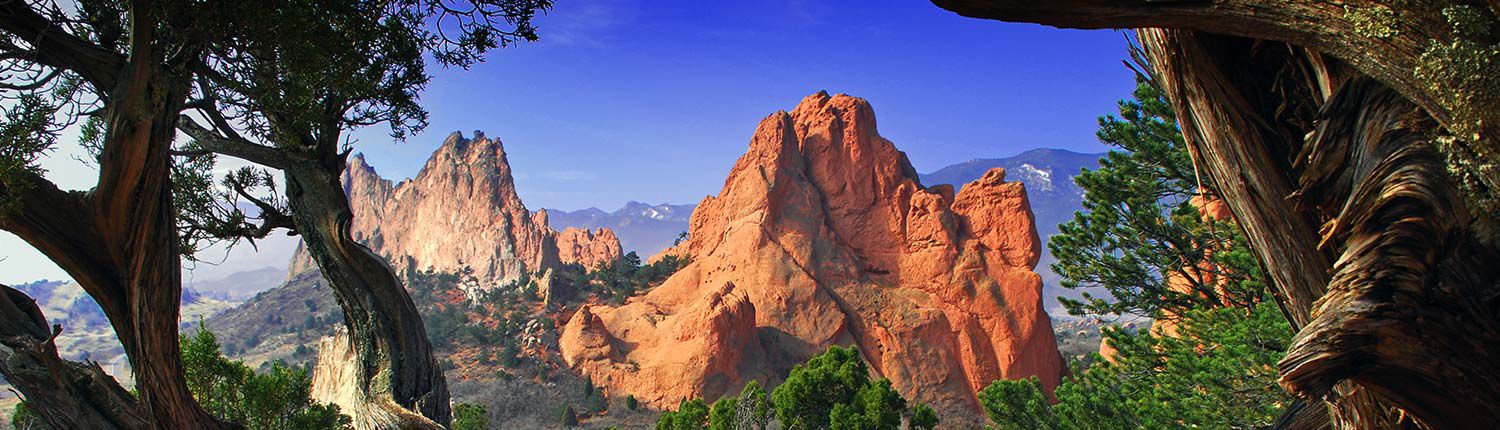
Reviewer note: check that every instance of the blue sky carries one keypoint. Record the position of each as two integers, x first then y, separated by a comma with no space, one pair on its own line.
655,100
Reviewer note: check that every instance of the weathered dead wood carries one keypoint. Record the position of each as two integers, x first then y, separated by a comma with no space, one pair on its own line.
1409,311
66,394
1243,109
1245,155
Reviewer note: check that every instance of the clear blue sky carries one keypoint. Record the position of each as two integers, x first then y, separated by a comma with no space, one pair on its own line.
654,100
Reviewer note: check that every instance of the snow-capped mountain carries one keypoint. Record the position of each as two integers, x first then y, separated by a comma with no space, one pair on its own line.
643,228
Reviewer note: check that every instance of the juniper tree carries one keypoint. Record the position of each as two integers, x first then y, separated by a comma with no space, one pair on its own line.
274,84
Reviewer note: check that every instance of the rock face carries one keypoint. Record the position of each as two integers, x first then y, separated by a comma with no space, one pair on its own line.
461,210
823,235
590,248
1049,175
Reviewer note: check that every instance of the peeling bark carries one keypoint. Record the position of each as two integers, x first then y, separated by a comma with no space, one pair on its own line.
66,394
1354,201
1404,273
1409,311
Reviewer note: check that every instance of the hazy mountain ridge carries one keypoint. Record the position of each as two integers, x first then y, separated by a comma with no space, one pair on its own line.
643,228
241,285
86,332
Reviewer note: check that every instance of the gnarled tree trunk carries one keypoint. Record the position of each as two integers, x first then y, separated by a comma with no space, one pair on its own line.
67,395
1407,287
119,241
1361,220
399,382
396,365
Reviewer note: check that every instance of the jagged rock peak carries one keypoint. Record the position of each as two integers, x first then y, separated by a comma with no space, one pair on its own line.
824,228
461,209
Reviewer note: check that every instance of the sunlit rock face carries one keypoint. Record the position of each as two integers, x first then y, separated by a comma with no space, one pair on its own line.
823,235
461,210
590,248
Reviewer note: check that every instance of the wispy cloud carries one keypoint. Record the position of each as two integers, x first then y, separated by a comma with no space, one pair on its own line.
586,22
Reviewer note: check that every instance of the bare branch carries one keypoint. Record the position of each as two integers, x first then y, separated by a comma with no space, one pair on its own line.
237,148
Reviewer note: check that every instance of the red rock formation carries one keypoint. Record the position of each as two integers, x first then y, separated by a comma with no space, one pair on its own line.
1212,209
589,248
823,230
1107,351
461,210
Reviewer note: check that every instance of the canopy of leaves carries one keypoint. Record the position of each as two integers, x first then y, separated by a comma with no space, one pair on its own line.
1139,228
275,400
1220,373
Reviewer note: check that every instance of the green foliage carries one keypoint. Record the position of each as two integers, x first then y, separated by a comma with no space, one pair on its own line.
1138,227
630,402
468,416
723,416
806,398
753,408
876,406
620,279
923,418
1017,404
276,399
23,418
690,415
831,391
1220,373
26,133
567,417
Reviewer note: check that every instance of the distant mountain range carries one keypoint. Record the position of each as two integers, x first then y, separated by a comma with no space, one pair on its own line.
239,286
86,333
1048,174
643,228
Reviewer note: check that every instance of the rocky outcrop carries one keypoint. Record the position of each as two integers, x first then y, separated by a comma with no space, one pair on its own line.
461,210
590,248
823,235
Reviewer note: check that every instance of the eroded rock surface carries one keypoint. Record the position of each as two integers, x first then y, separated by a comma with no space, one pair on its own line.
590,248
823,235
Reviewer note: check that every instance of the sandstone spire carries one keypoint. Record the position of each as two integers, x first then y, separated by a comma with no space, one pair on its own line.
461,210
823,235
